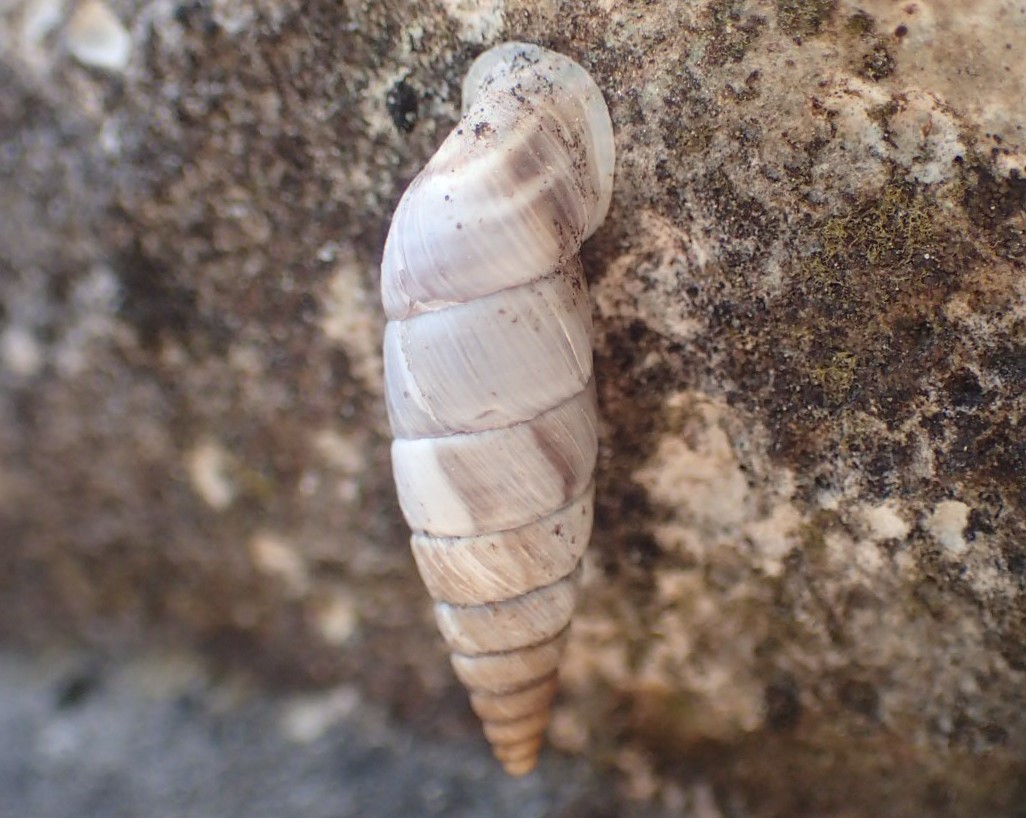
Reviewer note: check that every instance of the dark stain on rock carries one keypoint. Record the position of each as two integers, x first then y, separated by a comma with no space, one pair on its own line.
877,64
731,32
997,206
858,327
744,226
78,687
783,704
402,105
860,24
860,696
623,513
804,18
643,550
964,390
157,303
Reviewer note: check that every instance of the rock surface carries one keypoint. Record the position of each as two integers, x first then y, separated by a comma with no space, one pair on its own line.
159,735
807,589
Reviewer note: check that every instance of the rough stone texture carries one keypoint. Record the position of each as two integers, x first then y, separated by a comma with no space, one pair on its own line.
808,582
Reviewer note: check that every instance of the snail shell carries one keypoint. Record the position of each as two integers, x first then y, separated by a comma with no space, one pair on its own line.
488,376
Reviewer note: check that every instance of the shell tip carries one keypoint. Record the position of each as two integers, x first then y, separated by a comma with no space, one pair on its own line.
520,767
520,758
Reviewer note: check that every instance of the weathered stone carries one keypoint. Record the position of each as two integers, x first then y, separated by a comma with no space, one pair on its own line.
807,584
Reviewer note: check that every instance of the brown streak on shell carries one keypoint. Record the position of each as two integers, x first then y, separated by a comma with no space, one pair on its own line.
488,377
504,564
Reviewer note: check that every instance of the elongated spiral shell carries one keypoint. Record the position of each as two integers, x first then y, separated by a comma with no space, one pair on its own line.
488,375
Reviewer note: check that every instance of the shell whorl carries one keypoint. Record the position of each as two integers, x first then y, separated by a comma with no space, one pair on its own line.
488,376
530,166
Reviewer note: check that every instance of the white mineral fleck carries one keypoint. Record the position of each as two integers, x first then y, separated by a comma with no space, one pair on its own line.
884,522
39,19
20,351
337,618
773,537
209,469
351,319
97,38
275,556
947,525
306,718
479,20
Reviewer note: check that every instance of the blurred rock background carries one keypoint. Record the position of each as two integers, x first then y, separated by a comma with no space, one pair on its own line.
158,734
807,590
